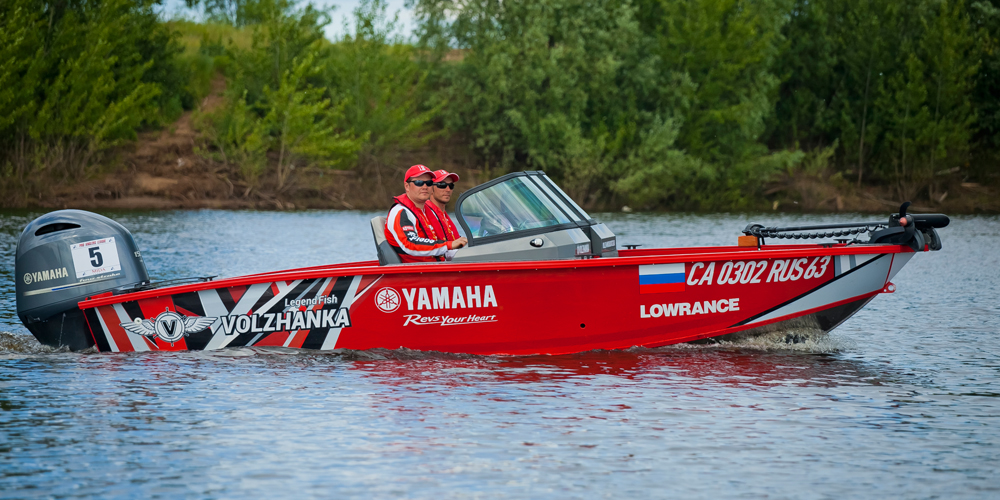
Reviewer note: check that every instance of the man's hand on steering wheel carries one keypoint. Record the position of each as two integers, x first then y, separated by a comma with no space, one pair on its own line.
459,243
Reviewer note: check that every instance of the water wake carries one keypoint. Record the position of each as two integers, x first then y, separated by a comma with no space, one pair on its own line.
13,343
801,339
808,340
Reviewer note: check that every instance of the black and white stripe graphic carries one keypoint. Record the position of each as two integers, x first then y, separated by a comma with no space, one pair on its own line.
860,275
258,298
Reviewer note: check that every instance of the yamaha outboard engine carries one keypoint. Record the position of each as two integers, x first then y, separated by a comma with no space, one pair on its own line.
64,257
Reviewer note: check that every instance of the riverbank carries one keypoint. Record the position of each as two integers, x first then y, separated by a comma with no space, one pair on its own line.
652,123
163,171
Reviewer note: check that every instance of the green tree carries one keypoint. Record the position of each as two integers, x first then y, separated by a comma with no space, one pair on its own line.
22,63
65,102
891,81
285,32
807,69
240,13
302,122
948,47
278,102
384,89
727,48
985,20
560,85
908,120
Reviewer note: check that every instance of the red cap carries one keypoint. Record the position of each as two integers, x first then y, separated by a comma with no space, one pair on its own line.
415,171
440,175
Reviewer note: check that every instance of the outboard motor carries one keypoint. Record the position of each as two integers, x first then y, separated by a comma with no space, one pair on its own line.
64,257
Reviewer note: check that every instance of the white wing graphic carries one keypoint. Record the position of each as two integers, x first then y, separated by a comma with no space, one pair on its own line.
194,324
139,327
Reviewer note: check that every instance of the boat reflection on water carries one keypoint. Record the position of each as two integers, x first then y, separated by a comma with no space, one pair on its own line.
745,365
804,359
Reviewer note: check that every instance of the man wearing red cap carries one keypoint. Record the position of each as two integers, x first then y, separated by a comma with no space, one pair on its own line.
407,228
437,214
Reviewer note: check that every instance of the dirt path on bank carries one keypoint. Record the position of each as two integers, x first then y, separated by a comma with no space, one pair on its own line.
164,170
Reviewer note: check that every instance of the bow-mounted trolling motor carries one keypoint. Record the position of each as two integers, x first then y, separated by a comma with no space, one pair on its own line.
918,231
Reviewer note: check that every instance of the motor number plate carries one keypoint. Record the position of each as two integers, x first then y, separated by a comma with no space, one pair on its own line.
91,258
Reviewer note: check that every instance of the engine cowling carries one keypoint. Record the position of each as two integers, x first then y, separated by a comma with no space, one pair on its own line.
64,257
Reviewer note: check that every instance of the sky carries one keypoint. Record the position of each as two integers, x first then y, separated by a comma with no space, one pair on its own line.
342,10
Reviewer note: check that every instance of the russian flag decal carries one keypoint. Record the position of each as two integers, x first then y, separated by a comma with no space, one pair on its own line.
659,278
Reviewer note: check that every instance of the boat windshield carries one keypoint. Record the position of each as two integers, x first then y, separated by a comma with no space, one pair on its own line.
518,204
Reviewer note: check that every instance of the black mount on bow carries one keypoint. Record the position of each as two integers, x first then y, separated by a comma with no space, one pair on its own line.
915,230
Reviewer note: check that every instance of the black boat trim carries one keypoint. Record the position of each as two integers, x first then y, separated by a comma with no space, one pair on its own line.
783,304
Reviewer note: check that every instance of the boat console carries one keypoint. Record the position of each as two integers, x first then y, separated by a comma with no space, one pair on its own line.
517,217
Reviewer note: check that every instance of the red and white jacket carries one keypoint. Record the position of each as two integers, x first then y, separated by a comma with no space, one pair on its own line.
442,223
412,235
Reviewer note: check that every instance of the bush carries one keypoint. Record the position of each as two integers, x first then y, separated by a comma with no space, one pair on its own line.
277,102
64,102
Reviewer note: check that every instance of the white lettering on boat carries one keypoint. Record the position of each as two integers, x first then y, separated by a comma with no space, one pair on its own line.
761,271
48,274
421,320
331,299
287,321
690,309
444,297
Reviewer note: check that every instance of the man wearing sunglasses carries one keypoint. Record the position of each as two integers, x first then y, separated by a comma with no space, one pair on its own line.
407,227
435,209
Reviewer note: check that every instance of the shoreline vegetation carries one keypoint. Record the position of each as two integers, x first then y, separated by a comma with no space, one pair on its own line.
690,105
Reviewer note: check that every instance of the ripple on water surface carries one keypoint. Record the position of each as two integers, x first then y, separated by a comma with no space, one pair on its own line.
900,401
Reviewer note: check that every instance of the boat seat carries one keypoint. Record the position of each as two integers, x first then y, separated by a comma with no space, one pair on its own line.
386,254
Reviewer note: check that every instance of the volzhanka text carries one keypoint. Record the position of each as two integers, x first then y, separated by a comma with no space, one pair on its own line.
288,321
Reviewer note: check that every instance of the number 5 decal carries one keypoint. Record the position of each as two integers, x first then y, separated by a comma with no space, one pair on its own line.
91,258
96,259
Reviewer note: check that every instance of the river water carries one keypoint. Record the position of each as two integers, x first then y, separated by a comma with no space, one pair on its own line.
901,401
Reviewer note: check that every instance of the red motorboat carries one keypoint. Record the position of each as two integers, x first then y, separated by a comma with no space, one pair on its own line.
540,276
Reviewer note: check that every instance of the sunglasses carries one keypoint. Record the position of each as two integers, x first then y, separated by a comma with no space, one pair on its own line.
422,183
442,185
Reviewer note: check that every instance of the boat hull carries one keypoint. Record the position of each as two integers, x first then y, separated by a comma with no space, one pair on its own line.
642,298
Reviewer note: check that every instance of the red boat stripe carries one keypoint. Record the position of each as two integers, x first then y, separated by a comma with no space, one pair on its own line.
299,339
276,339
365,282
632,257
329,286
237,293
113,325
661,288
123,317
152,307
185,312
